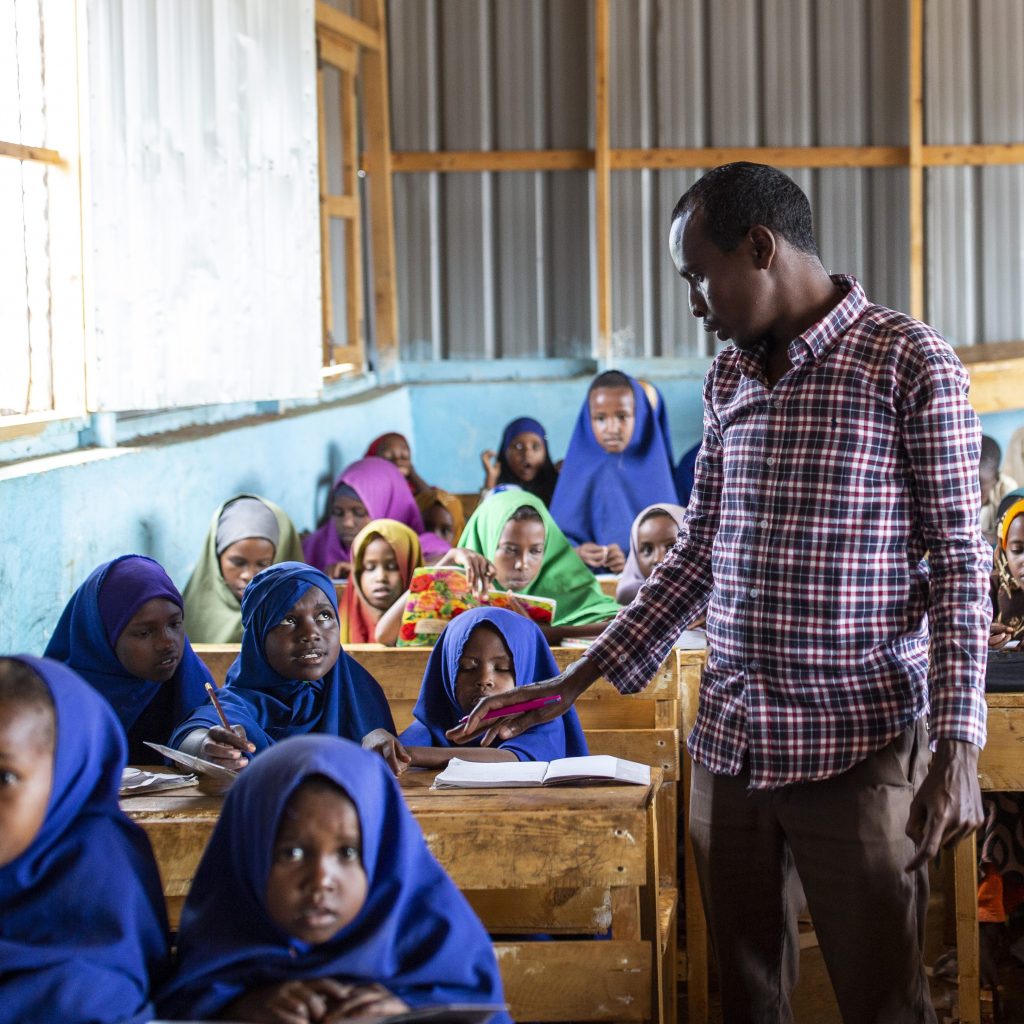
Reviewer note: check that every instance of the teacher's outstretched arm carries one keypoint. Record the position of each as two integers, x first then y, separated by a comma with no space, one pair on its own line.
567,686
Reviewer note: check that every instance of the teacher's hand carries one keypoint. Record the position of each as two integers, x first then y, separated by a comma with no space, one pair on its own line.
568,686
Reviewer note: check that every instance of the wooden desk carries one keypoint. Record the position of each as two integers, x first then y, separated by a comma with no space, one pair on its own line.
1000,768
564,861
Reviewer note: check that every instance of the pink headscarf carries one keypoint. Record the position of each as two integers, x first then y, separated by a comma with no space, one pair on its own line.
385,493
632,579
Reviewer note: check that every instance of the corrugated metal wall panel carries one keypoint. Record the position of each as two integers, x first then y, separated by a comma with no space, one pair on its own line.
704,73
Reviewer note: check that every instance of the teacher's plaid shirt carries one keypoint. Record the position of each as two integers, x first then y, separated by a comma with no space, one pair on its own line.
813,508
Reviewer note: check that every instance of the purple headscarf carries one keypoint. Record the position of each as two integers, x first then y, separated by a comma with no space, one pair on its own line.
128,584
385,493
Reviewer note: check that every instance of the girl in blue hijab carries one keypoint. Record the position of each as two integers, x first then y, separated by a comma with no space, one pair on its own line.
481,652
522,460
619,461
123,632
83,930
291,676
318,891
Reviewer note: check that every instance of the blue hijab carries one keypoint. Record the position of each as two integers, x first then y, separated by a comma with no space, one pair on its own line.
415,934
437,708
83,929
599,494
347,701
87,632
543,483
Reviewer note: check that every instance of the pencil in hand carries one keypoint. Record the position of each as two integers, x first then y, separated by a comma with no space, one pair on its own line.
220,713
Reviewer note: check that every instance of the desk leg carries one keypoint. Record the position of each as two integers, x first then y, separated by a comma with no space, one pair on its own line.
968,953
696,925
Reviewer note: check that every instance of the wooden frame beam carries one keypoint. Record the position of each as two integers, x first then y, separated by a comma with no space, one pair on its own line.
38,154
915,134
363,32
602,178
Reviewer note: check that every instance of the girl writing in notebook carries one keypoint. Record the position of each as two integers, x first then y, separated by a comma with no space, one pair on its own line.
481,652
83,933
291,677
532,556
247,535
371,488
123,631
384,555
619,460
317,899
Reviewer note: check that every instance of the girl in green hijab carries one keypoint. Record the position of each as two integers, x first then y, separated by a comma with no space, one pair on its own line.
532,556
247,534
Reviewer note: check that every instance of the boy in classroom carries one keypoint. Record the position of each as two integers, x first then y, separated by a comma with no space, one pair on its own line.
522,460
123,632
482,651
994,486
291,677
317,899
247,534
530,554
384,555
83,931
371,488
619,461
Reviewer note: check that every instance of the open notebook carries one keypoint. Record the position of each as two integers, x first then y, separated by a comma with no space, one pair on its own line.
501,774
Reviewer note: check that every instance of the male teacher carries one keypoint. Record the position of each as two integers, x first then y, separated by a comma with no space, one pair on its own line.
839,452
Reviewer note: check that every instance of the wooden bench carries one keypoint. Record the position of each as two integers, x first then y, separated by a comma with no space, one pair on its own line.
642,727
1000,769
565,861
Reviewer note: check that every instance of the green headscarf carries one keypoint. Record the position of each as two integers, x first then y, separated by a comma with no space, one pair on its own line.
563,574
212,612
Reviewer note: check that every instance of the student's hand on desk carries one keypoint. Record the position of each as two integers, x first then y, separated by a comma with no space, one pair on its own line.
338,570
593,554
389,747
365,1001
947,807
491,468
998,636
479,571
569,685
615,560
290,1002
226,747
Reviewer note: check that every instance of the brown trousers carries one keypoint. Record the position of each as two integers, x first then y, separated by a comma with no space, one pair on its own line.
844,839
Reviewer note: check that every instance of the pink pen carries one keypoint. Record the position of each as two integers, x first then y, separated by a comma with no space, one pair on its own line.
515,709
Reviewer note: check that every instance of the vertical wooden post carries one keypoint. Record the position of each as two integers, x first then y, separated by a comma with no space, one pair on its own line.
327,298
353,228
968,954
915,75
602,179
377,119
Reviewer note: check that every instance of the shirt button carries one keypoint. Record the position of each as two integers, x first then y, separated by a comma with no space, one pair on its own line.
763,524
623,658
754,664
769,461
754,591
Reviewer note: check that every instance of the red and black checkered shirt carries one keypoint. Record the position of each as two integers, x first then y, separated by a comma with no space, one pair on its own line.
814,505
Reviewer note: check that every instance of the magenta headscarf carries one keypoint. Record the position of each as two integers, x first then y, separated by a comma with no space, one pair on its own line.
385,493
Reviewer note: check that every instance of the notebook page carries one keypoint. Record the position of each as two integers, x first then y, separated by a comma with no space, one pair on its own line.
478,774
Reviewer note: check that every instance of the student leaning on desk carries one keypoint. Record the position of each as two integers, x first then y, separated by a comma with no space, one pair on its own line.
839,445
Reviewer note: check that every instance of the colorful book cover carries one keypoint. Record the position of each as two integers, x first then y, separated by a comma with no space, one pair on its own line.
436,596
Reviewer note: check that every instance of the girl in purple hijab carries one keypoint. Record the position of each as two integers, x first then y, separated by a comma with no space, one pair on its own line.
371,488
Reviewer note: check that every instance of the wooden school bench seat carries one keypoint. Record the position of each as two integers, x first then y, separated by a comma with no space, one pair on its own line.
1000,768
642,727
566,861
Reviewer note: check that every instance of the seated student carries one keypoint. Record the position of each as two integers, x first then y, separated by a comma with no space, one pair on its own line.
651,537
618,462
371,488
1008,573
384,555
522,459
123,632
247,534
395,448
531,556
317,899
481,652
994,487
442,513
291,677
83,931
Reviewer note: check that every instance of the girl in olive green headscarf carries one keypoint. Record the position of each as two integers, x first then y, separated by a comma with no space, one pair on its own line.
532,556
246,535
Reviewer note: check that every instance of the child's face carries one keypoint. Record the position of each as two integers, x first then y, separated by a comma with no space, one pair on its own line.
317,883
1015,549
26,776
394,448
525,455
350,516
485,668
437,519
612,417
655,538
305,644
520,553
240,561
151,645
381,578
